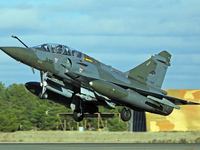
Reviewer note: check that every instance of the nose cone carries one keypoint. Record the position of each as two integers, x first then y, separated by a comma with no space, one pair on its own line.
18,53
11,51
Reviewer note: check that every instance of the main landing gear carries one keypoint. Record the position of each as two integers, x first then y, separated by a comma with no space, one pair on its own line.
76,106
125,114
78,115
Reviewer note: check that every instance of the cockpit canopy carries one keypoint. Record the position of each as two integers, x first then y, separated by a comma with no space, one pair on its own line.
59,49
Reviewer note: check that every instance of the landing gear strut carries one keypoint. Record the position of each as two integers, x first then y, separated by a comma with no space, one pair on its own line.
126,114
76,106
43,84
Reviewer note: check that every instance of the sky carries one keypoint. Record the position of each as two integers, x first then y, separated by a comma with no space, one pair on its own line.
119,33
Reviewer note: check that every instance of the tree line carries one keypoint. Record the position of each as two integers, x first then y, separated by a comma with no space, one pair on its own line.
21,110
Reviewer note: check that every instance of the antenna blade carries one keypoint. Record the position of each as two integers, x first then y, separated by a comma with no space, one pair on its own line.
33,70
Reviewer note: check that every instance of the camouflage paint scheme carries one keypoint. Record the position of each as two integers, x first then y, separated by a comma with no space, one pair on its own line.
185,119
82,83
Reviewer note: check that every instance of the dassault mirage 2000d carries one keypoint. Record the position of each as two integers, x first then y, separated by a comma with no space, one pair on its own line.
82,83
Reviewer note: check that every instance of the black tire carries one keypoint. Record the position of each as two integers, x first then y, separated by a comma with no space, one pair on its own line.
78,116
40,95
125,114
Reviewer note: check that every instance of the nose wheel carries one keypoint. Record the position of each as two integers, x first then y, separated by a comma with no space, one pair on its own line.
43,96
126,114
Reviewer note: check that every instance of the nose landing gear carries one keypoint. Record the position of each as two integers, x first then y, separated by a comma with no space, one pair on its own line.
43,84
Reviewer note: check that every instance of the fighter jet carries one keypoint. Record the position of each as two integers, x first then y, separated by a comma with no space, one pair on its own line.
82,83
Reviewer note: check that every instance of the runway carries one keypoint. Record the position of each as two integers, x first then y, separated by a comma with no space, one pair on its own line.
96,146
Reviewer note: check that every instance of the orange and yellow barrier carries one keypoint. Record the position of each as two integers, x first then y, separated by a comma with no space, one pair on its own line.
187,118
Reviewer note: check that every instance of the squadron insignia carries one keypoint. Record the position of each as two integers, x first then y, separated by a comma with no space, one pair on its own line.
80,69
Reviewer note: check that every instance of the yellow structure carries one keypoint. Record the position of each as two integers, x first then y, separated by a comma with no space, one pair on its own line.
185,119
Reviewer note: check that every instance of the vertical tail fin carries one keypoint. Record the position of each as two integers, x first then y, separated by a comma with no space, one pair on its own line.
152,71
